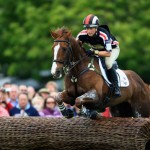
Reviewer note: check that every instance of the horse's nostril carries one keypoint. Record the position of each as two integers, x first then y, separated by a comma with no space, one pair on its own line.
58,72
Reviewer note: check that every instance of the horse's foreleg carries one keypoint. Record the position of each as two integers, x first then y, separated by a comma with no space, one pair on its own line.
89,97
60,99
90,100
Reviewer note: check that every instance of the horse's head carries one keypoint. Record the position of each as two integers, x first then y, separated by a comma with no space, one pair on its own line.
61,51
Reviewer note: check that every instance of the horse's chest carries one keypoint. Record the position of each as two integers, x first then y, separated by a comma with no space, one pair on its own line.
75,90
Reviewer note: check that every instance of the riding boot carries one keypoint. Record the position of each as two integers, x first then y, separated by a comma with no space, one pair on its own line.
113,77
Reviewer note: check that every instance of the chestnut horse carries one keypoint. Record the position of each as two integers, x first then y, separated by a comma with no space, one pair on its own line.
86,88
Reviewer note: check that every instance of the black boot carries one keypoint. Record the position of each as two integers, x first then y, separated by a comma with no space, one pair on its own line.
113,78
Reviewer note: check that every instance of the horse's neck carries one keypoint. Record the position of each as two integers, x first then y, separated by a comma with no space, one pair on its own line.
78,57
78,52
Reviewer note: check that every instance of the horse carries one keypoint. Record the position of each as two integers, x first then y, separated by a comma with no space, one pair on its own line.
85,86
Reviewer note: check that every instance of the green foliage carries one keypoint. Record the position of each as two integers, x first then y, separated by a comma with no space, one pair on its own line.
26,41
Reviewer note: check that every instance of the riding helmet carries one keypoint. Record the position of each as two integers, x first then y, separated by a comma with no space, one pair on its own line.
91,21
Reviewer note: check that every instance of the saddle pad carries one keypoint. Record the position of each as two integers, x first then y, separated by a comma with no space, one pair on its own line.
122,78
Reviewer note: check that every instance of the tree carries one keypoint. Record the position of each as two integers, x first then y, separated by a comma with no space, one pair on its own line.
26,42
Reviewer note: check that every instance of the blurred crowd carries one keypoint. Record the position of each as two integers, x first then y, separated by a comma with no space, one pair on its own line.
24,100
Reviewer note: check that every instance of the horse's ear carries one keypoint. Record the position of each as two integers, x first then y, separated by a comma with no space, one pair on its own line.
53,34
69,34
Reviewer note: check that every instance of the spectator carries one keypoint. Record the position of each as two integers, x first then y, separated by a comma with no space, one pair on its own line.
3,112
38,104
31,92
53,94
13,95
51,109
51,86
3,99
23,108
7,85
23,88
44,93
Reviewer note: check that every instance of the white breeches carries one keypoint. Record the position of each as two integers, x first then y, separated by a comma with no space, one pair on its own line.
114,55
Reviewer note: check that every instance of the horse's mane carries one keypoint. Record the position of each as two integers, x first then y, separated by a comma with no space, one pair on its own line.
61,31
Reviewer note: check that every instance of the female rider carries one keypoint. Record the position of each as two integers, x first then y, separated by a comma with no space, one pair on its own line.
97,38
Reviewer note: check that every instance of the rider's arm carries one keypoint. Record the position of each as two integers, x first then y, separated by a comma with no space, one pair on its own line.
107,50
103,53
107,44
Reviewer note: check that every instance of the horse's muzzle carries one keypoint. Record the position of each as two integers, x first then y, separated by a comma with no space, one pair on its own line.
57,74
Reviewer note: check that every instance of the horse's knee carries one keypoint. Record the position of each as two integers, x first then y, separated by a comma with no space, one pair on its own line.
78,102
58,98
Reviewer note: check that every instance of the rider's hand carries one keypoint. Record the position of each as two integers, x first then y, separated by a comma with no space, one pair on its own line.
96,52
89,52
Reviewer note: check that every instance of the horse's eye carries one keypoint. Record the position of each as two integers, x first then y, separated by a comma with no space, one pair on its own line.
64,49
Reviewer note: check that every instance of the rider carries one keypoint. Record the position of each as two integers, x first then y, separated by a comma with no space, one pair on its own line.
98,37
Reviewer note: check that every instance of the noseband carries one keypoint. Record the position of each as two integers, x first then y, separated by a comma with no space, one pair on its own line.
69,50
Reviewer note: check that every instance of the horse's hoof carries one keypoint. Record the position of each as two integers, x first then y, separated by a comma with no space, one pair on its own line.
86,113
94,114
70,113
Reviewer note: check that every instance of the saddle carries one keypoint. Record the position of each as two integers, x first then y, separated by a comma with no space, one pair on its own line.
122,78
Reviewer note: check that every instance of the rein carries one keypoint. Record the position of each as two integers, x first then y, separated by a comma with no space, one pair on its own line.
69,50
73,64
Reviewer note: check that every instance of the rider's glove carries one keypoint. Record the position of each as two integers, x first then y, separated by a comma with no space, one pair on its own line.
89,52
96,52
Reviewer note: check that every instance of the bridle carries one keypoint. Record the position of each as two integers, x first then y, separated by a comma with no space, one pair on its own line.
69,63
66,62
